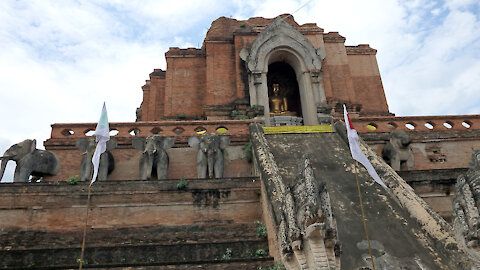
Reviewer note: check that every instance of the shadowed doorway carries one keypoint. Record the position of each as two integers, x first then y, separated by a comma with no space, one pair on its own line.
284,75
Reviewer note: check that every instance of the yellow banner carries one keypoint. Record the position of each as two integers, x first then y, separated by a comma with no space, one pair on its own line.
297,129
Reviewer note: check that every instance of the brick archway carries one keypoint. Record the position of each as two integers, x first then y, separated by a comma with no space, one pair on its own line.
280,42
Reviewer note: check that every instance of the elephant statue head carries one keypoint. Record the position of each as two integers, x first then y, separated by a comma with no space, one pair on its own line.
154,158
30,161
400,139
398,151
107,162
210,154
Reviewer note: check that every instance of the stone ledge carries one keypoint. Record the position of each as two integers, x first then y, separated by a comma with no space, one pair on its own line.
361,49
333,37
124,256
126,185
211,232
436,176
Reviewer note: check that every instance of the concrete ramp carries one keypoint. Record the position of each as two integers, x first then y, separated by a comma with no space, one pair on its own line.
404,232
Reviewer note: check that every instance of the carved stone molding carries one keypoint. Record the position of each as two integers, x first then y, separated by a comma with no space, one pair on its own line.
306,230
466,215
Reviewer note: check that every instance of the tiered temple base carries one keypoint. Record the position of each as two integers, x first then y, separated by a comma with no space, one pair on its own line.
210,225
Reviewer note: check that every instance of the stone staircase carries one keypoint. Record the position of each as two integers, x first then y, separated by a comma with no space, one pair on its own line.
405,233
211,239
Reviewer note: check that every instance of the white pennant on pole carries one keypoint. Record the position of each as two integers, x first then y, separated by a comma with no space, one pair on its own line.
102,135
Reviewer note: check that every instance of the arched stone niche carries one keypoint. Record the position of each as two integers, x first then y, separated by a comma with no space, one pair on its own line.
280,42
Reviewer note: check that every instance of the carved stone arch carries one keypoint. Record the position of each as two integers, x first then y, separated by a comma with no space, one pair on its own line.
281,34
279,41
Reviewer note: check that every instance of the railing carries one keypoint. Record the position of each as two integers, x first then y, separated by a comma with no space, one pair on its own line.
164,128
417,123
240,127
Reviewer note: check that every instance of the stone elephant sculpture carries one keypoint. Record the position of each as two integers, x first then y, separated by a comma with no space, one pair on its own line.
30,161
154,159
398,151
107,162
210,154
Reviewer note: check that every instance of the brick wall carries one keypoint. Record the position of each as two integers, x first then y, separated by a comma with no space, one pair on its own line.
61,207
366,80
182,158
215,74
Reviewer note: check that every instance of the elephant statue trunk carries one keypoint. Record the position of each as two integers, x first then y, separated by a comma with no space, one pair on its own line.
154,158
406,141
107,162
211,157
4,159
210,154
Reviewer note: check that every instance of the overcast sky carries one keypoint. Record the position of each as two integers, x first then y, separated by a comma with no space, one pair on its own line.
60,60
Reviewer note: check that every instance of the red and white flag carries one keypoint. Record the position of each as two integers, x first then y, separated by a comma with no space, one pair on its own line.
357,153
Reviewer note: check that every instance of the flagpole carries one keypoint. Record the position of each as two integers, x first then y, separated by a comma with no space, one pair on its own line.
101,137
363,215
85,229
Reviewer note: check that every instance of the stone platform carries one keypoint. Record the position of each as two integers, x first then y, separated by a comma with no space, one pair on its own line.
137,224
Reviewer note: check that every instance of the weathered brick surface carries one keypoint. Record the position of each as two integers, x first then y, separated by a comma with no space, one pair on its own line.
454,148
184,255
220,87
132,224
139,246
215,74
183,162
185,86
61,207
367,82
182,158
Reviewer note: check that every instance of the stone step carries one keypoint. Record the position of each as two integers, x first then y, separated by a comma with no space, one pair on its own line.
249,252
20,240
244,264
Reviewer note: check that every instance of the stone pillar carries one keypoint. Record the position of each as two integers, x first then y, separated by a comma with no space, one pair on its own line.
309,111
318,91
262,95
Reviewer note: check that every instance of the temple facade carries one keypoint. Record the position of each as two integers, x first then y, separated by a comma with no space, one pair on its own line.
240,61
239,160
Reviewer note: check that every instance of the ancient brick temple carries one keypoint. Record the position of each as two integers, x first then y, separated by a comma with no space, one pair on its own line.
252,168
241,60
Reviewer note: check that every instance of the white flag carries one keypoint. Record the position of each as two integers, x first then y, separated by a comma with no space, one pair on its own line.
102,135
356,151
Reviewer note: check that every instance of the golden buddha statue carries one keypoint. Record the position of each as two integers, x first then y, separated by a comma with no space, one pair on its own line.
278,104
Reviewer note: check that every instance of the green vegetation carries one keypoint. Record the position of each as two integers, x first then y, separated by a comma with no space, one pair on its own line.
247,151
73,180
261,229
228,254
249,254
182,184
235,113
181,116
243,25
84,262
261,253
